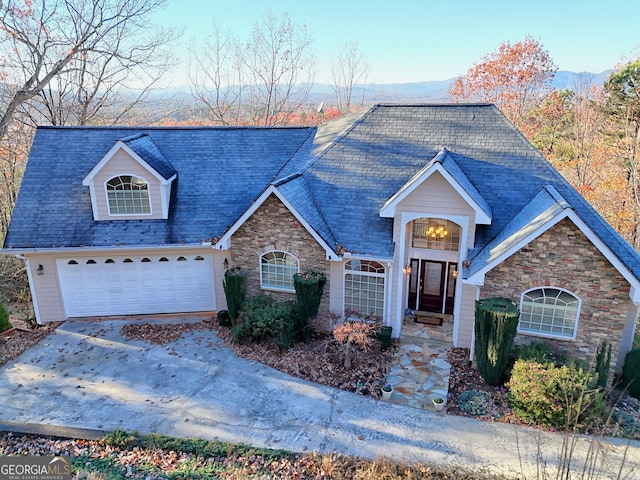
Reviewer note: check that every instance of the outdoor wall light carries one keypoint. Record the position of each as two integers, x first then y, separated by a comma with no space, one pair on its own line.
225,264
407,269
40,270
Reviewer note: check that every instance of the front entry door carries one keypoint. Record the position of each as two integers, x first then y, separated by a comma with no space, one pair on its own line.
432,281
432,286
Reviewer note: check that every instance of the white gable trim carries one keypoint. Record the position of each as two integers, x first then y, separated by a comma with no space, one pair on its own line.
478,277
165,184
225,241
120,145
388,210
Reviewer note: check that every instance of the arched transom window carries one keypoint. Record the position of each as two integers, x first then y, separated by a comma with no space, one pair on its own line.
364,287
277,269
549,312
128,195
436,233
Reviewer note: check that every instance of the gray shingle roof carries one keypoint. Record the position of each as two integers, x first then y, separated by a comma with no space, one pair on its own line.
221,172
337,177
144,147
541,209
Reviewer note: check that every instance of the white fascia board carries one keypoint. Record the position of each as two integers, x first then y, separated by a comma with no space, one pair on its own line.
634,294
388,210
120,145
104,249
225,241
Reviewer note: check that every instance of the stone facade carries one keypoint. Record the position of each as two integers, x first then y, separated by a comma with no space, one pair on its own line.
563,257
273,227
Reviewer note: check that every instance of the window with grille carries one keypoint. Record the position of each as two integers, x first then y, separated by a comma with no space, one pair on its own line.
364,287
549,312
277,269
128,195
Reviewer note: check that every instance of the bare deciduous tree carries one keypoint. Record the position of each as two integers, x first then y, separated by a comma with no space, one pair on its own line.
67,56
262,81
215,76
348,70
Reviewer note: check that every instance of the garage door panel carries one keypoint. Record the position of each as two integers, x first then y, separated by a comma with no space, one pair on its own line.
136,285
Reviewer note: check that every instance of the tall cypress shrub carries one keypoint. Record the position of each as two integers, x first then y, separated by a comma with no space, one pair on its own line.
495,329
309,287
4,319
234,291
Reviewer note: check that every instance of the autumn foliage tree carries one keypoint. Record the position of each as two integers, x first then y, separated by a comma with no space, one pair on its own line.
514,78
623,107
354,335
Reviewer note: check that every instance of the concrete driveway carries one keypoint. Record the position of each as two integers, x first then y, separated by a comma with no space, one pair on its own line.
86,375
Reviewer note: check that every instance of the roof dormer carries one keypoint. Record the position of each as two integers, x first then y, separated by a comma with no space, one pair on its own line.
131,182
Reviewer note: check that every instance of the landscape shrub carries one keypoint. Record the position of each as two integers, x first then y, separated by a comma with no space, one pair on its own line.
562,397
495,329
234,291
539,351
5,324
631,373
263,319
603,363
309,287
473,402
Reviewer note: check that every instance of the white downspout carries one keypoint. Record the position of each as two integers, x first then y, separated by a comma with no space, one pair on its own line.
34,297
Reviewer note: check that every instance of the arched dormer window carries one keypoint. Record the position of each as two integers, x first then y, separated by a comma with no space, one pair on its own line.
549,312
128,195
277,269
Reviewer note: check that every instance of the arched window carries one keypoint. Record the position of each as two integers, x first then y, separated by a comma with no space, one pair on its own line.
436,234
364,287
277,269
128,195
549,312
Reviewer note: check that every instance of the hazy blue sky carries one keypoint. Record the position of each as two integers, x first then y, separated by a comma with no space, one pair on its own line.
417,40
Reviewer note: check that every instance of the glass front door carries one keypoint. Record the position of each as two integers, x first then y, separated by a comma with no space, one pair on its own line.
432,286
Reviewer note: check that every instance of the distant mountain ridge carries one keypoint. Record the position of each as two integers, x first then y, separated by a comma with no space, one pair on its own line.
438,90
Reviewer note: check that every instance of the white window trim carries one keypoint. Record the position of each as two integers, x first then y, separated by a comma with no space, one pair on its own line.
548,334
272,287
382,275
106,192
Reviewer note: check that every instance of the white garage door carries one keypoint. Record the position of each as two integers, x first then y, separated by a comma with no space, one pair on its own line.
130,285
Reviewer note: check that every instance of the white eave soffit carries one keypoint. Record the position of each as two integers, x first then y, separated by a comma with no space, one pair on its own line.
388,210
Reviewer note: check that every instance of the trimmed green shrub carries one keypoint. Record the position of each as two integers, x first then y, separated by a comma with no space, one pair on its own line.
495,329
631,373
234,291
538,351
309,287
5,324
562,397
264,319
603,363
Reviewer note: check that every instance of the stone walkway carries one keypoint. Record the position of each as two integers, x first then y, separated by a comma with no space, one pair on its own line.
421,371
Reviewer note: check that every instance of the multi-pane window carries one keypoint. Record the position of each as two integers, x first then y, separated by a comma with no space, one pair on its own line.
364,287
436,233
128,195
550,312
277,269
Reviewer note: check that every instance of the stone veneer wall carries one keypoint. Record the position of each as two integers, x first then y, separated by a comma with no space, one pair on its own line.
563,257
273,227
